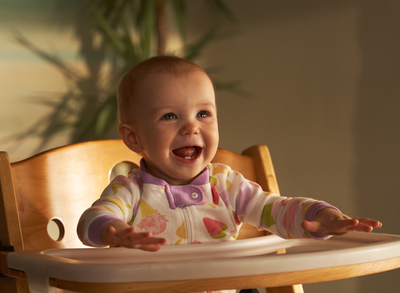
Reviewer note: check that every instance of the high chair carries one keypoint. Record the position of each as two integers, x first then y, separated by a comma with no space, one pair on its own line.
55,187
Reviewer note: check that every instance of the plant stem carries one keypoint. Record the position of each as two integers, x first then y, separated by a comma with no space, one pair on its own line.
161,27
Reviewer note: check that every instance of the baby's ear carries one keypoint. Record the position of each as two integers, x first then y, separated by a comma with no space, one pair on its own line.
129,137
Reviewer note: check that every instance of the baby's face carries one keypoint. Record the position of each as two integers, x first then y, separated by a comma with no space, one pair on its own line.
175,122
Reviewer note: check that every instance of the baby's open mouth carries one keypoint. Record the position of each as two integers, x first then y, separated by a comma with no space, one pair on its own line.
187,153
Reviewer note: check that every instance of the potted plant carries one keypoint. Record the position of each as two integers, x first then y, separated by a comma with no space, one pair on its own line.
114,36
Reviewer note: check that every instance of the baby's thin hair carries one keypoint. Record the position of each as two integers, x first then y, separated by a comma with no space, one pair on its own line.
127,89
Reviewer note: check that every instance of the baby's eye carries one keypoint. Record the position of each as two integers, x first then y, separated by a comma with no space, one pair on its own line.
203,114
169,116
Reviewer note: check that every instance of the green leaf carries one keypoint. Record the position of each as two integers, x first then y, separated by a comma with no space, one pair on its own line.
222,9
108,31
106,117
130,51
178,8
147,27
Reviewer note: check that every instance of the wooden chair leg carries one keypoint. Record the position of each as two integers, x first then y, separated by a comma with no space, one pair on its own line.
12,285
286,289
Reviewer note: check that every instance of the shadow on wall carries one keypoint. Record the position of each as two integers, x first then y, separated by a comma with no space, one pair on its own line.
377,125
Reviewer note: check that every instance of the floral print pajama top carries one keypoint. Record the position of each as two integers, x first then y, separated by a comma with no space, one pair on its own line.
211,208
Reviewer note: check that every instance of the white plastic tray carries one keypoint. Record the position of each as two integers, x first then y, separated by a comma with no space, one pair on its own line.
200,261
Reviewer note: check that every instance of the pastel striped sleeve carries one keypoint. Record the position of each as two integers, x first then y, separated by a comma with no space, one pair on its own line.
118,202
267,211
91,223
310,214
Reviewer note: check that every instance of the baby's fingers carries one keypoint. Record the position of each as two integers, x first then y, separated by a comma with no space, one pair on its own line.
336,227
367,225
131,239
130,234
148,247
343,226
369,222
150,241
149,244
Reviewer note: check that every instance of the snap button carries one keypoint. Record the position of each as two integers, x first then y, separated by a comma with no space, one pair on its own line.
194,195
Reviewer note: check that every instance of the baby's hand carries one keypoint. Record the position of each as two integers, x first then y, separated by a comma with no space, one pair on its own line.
330,221
121,234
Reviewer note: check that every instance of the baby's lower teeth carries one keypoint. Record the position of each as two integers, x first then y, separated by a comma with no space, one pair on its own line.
188,157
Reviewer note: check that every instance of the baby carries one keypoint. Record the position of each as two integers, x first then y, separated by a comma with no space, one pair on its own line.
167,114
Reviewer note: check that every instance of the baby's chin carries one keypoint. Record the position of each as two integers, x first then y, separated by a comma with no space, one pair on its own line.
184,178
181,180
177,173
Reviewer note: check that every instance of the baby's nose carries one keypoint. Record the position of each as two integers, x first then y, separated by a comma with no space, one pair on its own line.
189,128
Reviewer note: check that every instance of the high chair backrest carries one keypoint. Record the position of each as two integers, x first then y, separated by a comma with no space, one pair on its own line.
55,187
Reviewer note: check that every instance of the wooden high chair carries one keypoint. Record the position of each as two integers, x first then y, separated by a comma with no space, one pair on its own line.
55,187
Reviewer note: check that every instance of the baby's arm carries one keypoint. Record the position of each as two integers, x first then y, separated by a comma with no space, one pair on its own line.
332,222
118,233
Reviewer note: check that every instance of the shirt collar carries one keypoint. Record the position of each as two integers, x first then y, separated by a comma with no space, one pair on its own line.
179,195
201,179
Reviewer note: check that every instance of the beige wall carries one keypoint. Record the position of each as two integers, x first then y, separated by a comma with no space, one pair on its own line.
324,83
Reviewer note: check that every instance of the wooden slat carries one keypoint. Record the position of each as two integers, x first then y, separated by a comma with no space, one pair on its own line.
62,183
239,163
286,289
10,230
263,167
